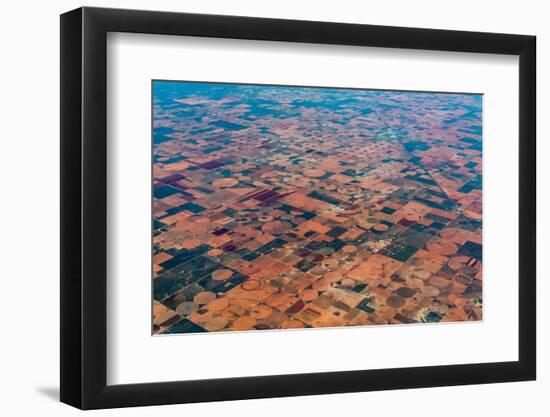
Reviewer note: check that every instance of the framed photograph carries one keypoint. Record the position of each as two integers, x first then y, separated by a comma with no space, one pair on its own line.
258,208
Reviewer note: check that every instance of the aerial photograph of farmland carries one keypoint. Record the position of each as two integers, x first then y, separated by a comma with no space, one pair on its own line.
284,207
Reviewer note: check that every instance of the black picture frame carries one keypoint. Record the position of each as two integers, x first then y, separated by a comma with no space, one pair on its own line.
84,207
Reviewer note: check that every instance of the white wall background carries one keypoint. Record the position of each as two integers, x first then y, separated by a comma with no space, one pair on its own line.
29,178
